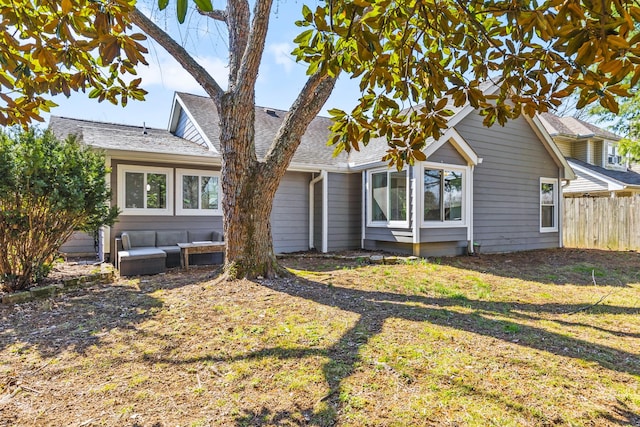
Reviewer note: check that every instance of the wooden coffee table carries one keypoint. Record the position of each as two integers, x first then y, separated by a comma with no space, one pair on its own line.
187,249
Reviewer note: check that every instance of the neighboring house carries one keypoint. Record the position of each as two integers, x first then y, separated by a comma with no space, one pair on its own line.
498,186
593,154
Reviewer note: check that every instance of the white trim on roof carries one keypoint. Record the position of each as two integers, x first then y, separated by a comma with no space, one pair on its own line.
179,105
543,134
452,136
612,184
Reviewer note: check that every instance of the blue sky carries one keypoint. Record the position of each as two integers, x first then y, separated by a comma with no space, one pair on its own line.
280,78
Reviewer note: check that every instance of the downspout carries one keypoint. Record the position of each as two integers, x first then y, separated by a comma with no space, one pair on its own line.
414,213
561,211
325,211
312,184
363,209
470,248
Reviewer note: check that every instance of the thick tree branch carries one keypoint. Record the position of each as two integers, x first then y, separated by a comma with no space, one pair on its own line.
183,57
218,15
248,72
306,107
238,17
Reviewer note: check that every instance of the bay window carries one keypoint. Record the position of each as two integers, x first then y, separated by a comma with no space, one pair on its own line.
443,197
388,198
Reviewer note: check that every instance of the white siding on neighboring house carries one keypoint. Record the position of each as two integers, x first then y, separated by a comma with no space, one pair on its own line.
565,147
585,184
580,150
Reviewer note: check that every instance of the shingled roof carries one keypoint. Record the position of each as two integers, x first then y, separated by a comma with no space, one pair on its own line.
627,177
574,128
313,149
111,136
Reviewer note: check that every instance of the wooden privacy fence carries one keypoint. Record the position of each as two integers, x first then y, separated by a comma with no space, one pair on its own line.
602,223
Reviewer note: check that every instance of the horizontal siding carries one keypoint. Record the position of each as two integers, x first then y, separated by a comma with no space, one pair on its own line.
443,234
393,247
385,234
597,154
447,154
564,146
79,244
290,214
580,150
345,196
186,129
506,197
585,184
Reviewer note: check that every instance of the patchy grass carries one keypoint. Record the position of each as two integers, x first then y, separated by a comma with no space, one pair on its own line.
505,340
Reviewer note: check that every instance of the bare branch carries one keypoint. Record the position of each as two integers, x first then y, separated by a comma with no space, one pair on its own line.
238,24
218,15
248,71
183,57
306,107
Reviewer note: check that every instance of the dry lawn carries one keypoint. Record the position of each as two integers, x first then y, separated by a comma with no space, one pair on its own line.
532,339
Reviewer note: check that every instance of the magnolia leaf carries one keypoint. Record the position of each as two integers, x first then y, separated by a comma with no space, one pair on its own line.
162,4
204,5
181,10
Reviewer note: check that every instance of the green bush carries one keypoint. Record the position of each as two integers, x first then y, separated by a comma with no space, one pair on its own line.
48,189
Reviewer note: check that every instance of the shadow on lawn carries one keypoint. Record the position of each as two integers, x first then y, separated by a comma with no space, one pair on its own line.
564,266
76,321
375,308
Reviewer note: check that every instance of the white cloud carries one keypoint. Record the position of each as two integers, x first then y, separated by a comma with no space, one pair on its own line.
281,54
165,71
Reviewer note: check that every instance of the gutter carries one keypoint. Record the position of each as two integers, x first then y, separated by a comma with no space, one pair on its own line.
325,212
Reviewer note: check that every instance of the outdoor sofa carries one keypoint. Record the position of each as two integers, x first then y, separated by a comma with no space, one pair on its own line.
151,252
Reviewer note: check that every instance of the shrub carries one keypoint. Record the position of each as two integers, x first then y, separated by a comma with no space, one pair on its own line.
48,189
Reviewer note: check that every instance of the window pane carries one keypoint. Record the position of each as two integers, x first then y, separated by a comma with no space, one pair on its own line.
547,216
452,196
209,192
156,191
379,196
546,193
398,196
432,195
189,192
134,190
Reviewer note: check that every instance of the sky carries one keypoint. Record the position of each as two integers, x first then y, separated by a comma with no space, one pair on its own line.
279,81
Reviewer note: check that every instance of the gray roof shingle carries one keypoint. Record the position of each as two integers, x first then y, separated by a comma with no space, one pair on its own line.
628,177
110,136
313,149
576,128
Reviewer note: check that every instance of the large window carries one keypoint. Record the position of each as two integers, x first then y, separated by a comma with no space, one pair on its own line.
388,198
548,204
144,190
198,193
443,195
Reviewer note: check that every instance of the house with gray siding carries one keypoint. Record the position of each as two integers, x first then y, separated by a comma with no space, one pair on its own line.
498,188
593,154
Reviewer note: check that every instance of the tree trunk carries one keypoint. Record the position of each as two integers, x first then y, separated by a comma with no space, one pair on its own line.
249,187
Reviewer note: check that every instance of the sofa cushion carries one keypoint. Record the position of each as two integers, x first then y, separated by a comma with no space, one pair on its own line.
173,249
137,239
205,236
169,238
142,253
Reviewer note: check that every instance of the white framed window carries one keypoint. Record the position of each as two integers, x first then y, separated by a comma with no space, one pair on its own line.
548,205
388,201
198,192
144,190
613,155
445,195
